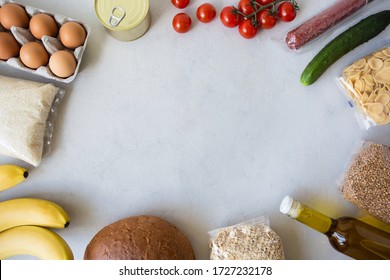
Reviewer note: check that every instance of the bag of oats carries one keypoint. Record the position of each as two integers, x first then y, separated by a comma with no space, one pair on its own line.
250,240
366,182
27,112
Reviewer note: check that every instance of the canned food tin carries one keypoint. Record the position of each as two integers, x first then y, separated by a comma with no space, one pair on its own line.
125,20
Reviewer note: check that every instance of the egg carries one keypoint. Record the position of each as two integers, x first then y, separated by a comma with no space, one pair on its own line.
72,34
62,64
34,55
13,15
9,47
43,25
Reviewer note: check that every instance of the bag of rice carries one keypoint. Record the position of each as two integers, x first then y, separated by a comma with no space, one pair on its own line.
27,112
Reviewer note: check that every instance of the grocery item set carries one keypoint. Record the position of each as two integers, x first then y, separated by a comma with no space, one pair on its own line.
51,46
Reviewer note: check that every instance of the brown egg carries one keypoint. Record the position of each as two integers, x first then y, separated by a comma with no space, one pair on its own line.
43,24
72,34
9,47
62,64
34,55
13,15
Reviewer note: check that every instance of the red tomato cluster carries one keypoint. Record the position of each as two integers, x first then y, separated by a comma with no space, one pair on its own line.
252,15
182,21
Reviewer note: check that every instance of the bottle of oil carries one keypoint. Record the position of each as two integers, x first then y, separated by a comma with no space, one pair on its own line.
347,235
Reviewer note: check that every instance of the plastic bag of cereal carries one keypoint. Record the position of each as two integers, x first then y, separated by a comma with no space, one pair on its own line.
27,113
366,182
250,240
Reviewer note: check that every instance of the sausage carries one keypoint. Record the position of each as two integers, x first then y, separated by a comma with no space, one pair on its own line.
321,22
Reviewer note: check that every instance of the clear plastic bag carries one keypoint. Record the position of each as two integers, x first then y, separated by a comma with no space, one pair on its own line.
317,25
366,84
250,240
323,22
27,113
366,180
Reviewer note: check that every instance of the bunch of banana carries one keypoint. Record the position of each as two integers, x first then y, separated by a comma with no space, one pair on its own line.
24,223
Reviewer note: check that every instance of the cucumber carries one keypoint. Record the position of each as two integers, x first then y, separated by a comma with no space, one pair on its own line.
356,35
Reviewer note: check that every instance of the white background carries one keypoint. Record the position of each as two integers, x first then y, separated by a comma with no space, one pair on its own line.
205,129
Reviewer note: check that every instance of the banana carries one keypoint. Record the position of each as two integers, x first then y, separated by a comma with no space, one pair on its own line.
11,175
32,211
39,242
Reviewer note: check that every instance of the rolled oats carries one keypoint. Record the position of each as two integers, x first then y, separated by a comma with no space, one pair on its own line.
246,242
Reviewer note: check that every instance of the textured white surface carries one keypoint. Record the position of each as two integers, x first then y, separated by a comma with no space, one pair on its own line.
205,129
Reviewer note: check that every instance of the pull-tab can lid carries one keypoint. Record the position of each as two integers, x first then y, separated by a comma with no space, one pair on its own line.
117,14
121,15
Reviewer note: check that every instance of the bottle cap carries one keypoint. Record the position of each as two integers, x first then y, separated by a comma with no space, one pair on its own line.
286,204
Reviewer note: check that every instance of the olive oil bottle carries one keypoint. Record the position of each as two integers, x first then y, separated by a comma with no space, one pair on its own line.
347,235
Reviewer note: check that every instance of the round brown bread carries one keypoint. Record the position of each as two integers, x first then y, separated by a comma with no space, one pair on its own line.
139,238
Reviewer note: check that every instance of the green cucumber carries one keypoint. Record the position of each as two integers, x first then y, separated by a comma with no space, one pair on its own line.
353,37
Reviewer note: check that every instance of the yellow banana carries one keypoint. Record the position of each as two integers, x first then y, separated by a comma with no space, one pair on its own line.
32,211
11,175
39,242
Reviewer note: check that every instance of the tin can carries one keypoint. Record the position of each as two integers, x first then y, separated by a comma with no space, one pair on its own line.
125,20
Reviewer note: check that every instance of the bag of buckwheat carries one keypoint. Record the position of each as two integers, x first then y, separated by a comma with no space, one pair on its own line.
366,182
250,240
27,112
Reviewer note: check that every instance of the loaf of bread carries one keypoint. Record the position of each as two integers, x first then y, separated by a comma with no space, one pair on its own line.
139,238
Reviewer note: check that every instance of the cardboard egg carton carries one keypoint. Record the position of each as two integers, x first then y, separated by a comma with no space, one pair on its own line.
51,44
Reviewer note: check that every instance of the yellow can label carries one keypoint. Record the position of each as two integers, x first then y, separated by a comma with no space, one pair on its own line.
121,14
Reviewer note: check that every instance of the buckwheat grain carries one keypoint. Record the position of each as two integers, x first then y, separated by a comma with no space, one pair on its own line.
367,181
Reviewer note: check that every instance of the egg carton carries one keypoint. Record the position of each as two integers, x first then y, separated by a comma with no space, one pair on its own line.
51,44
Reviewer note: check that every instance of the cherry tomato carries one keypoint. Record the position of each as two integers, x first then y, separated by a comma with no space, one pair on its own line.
266,20
229,18
245,6
264,2
181,22
247,30
181,4
286,11
206,12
